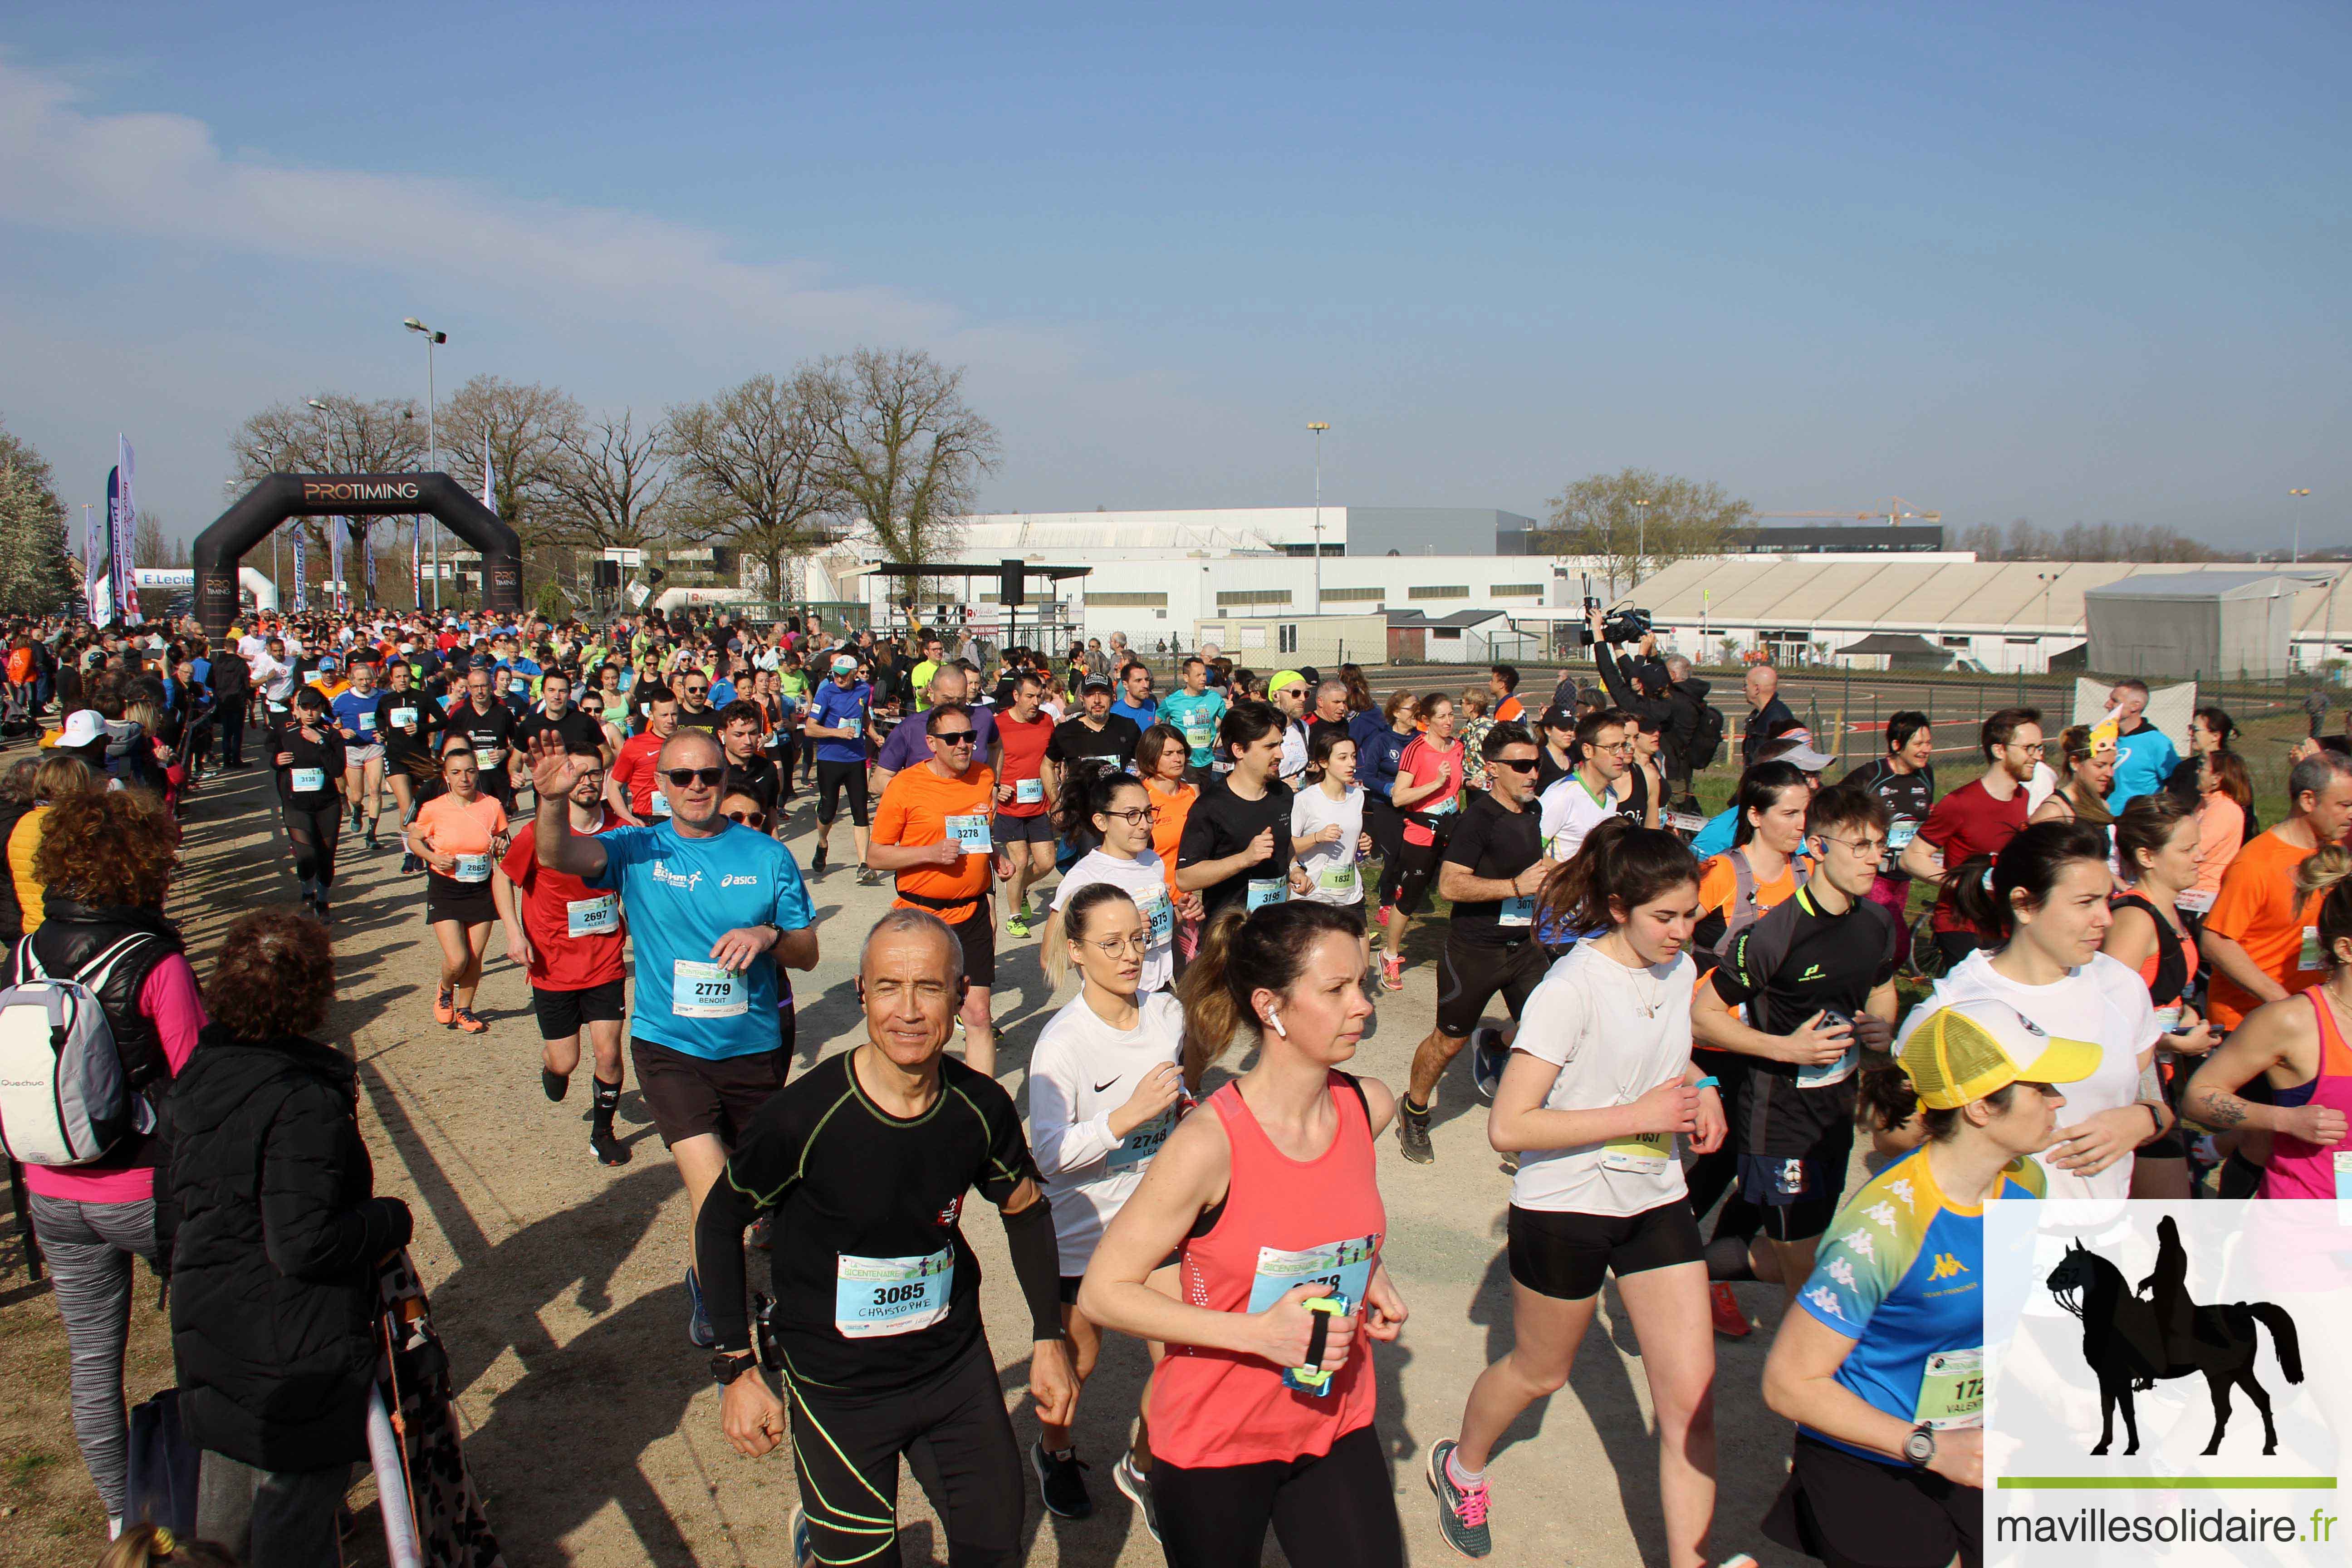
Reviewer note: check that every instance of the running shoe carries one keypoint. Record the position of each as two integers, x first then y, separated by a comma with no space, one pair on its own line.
1016,924
699,1331
1488,1055
1060,1482
1392,974
371,844
1461,1510
1137,1488
445,1006
410,864
868,877
468,1024
1729,1321
796,1528
816,862
607,1148
1413,1134
555,1083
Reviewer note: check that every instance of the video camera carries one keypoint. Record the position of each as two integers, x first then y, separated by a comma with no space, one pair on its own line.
1619,627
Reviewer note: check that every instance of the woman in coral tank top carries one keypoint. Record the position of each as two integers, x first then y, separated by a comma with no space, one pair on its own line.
1268,1198
2299,1046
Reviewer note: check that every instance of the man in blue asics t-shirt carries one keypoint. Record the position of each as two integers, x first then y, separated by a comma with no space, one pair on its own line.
716,911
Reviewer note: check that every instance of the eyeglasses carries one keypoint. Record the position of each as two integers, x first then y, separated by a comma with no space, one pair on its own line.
2035,750
1135,816
1626,746
749,819
709,778
1137,943
956,737
1517,764
1863,848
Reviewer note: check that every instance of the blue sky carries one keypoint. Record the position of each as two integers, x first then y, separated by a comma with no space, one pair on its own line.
2075,263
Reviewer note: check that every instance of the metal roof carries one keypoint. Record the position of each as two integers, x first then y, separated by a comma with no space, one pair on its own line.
2199,585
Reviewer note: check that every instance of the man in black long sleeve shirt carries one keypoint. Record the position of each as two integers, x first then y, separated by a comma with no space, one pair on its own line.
1651,690
1769,718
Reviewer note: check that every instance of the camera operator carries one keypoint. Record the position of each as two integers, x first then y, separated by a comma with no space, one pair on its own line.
1661,691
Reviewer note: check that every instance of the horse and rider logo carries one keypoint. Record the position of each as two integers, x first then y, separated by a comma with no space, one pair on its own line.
2132,1339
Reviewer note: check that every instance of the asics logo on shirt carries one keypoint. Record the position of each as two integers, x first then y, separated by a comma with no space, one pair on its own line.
733,880
1947,1266
668,877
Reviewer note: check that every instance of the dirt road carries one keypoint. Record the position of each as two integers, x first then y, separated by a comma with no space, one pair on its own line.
591,1423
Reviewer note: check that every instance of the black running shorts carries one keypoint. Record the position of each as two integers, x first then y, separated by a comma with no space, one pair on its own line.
562,1012
1798,1194
689,1096
1566,1255
1471,975
1037,829
977,933
1853,1512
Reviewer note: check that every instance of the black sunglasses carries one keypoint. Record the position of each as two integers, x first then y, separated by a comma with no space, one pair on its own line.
749,819
957,737
709,778
1517,764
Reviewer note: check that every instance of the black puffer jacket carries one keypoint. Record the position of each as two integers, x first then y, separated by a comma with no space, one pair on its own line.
265,1204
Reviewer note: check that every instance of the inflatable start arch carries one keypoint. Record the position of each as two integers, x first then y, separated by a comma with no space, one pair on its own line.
219,549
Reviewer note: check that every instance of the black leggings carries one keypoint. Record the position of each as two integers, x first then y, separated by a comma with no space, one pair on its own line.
1387,829
832,778
314,831
1336,1511
954,1431
1420,861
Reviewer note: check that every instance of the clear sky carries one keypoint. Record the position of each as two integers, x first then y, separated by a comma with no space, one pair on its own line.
2075,262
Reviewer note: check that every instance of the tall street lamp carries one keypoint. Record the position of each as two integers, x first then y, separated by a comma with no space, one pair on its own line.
1318,426
2298,527
432,435
1641,538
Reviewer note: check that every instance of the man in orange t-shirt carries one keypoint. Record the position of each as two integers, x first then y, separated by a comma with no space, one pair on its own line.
931,828
2261,936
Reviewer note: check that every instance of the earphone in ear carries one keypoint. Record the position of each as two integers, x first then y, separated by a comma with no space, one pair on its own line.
1274,1022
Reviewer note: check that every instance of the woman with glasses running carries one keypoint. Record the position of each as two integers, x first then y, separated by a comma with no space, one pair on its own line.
1118,808
1105,1091
1162,759
459,837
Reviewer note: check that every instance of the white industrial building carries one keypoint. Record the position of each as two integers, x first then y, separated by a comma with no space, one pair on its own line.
1189,576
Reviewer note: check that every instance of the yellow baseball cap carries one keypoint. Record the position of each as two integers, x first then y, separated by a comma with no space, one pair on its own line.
1284,681
1971,1049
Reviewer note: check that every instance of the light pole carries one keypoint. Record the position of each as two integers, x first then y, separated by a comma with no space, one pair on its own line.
2047,579
432,435
2297,559
1318,426
1641,538
278,587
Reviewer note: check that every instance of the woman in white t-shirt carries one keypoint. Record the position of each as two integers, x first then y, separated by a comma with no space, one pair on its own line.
1105,1091
1327,823
2046,896
1120,809
1598,1089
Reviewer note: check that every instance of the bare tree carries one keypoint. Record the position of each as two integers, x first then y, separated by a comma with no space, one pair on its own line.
1635,522
521,427
612,487
148,545
759,462
907,451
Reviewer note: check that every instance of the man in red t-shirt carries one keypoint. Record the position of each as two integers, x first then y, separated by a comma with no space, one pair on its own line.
568,936
633,790
1025,805
1976,820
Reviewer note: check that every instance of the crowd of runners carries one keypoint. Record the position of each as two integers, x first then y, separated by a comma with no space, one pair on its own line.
2124,985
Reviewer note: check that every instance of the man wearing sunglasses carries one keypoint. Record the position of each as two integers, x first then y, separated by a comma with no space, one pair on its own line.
694,709
931,830
1493,867
908,746
1289,691
716,912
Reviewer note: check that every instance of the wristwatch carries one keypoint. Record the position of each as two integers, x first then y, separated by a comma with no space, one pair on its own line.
1920,1448
725,1369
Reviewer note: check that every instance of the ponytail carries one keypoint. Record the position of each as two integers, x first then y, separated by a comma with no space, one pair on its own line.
2147,824
146,1546
1618,863
1241,954
2329,870
1088,793
2032,864
1068,925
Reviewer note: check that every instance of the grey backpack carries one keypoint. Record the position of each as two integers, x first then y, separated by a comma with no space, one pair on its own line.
66,1098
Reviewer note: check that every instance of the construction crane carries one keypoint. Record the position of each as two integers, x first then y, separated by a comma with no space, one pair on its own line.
1895,515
